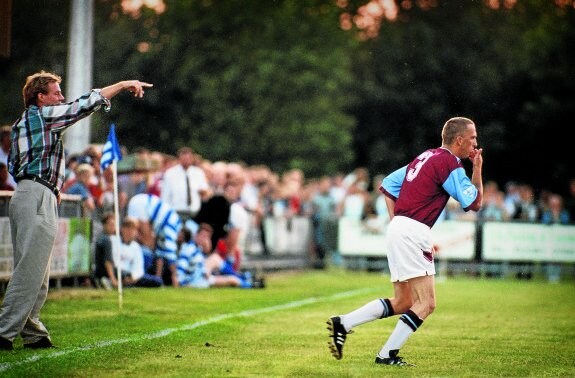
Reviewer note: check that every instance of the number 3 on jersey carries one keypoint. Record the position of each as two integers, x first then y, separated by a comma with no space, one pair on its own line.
413,172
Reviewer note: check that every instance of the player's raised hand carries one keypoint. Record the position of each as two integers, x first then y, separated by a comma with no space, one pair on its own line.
476,157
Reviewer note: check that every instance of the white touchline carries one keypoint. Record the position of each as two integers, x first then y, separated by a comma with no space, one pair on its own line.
187,327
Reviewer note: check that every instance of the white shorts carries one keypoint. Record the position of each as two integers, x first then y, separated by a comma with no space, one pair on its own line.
409,249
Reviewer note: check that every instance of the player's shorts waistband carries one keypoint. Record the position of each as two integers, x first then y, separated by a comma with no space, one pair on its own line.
400,219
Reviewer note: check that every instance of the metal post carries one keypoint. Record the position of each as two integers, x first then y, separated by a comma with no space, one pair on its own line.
79,75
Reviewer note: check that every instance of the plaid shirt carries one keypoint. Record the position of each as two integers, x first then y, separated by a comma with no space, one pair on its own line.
37,147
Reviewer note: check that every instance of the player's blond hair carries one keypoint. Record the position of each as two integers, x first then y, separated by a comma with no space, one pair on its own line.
453,128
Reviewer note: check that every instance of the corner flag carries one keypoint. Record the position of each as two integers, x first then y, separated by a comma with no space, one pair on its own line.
111,151
110,155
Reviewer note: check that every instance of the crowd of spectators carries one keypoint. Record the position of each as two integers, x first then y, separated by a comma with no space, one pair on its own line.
233,199
518,202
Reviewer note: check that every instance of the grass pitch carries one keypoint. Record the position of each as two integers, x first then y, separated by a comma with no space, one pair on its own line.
481,327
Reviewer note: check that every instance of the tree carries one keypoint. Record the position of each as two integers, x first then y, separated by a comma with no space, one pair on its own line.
39,41
260,82
506,68
281,83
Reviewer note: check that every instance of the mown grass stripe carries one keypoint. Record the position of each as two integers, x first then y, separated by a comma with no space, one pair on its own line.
168,331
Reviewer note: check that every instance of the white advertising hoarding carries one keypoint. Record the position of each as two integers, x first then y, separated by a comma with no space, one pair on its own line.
528,242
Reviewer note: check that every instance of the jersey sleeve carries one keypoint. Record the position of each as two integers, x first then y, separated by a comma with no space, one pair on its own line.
391,184
460,187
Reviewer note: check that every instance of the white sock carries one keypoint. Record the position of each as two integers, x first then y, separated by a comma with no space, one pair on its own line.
377,309
406,325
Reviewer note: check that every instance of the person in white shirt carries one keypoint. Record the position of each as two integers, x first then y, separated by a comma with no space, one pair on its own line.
128,254
185,185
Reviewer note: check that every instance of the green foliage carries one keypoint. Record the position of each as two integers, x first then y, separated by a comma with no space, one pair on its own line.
278,82
507,69
39,42
548,107
238,80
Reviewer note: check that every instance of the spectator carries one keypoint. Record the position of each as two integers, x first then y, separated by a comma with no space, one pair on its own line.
84,174
159,225
106,203
494,209
191,263
268,193
570,200
5,131
5,151
359,176
279,201
93,155
338,190
379,203
128,254
512,197
370,221
71,164
231,246
216,213
353,205
156,178
324,220
526,209
217,177
185,185
104,273
555,213
196,267
4,178
250,191
266,186
136,180
376,215
307,193
252,197
493,203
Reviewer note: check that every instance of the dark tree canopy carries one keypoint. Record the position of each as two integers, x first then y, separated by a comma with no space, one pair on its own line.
281,83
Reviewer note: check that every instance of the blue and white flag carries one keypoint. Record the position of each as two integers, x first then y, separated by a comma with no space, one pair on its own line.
111,150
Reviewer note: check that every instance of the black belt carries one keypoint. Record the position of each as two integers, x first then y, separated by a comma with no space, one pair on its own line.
40,180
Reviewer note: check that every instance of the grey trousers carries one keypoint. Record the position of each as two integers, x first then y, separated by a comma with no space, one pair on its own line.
33,216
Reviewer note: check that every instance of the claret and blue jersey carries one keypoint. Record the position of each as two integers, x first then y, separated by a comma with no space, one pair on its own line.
436,174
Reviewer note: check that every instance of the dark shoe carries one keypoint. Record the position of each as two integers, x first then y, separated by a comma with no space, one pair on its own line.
5,344
337,336
393,359
259,283
43,343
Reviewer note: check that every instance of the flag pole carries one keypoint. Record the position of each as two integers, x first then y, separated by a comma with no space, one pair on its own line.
110,156
118,240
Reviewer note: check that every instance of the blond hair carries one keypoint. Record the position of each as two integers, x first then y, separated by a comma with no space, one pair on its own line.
38,83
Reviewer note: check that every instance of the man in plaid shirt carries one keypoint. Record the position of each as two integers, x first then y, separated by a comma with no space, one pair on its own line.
36,161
